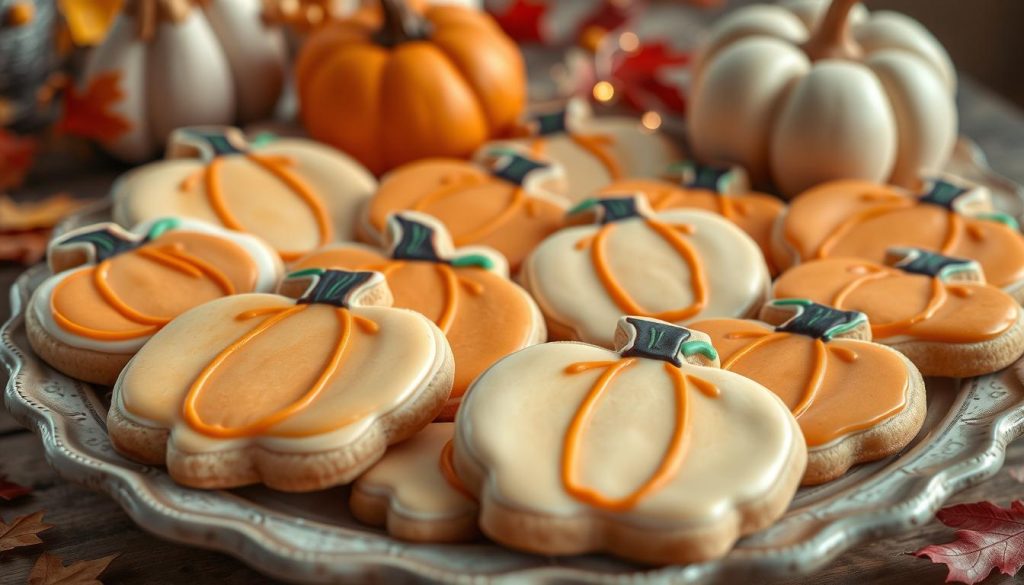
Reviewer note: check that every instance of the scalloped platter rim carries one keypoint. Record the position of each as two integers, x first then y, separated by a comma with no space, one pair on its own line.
311,537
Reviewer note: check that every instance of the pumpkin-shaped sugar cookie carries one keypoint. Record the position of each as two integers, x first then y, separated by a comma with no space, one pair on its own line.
508,202
855,400
465,291
596,151
297,393
112,289
413,491
649,452
722,190
936,310
677,265
294,193
860,219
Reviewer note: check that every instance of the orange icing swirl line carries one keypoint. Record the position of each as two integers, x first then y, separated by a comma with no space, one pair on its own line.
670,462
883,330
246,315
844,353
451,298
164,257
68,325
448,471
99,281
190,410
817,375
276,166
851,222
518,200
621,297
218,277
956,225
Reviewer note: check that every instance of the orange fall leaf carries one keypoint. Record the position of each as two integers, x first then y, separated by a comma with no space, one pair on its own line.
89,114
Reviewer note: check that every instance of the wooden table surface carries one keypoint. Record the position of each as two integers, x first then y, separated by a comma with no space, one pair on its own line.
89,525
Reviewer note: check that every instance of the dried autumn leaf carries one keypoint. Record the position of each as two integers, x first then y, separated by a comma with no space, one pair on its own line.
989,537
10,490
16,156
50,570
24,247
22,531
90,114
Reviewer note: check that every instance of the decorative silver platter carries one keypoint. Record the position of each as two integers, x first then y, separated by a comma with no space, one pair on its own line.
312,538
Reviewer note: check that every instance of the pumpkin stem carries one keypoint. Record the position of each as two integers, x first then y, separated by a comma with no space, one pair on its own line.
149,13
833,39
401,24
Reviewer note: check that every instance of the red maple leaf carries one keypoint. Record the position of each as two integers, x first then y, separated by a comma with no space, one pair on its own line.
989,537
16,156
639,77
521,20
89,114
10,490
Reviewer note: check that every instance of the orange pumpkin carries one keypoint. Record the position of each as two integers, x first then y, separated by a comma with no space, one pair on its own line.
465,292
861,219
725,191
508,203
398,86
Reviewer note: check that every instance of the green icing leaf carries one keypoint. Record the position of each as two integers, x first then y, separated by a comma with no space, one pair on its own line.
306,272
473,260
583,205
702,347
262,139
1000,217
162,226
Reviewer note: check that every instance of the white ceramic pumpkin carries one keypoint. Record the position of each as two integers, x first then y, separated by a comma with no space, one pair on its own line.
806,92
185,63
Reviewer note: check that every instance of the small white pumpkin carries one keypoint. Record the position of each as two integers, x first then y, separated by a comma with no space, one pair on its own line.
808,92
185,63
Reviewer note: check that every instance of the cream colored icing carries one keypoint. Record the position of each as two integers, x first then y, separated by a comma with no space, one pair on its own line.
267,262
512,426
409,476
261,202
562,279
639,152
389,369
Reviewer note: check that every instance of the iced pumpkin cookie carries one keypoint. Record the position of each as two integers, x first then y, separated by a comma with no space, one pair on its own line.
722,190
413,492
595,151
297,393
618,257
855,400
649,452
465,291
507,200
860,219
296,194
112,289
936,310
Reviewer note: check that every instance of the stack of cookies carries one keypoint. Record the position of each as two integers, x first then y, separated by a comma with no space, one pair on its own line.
564,341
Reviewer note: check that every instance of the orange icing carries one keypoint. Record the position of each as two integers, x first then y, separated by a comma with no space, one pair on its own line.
208,376
476,207
448,471
671,461
483,315
899,303
862,220
754,213
618,293
865,385
135,293
597,145
276,166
